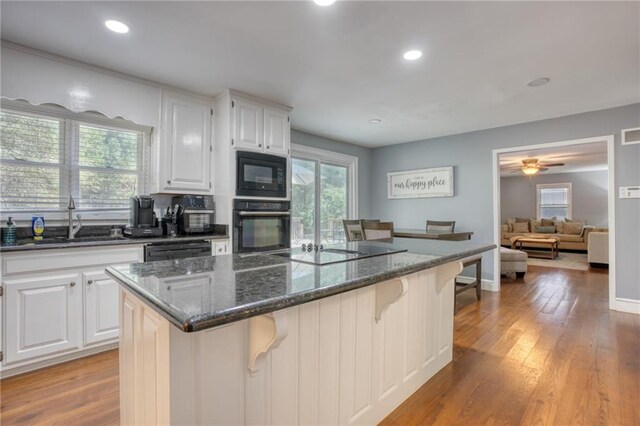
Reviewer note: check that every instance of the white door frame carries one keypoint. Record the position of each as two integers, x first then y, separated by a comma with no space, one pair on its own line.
323,156
609,139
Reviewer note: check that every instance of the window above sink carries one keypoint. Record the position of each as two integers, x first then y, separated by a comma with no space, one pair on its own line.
48,153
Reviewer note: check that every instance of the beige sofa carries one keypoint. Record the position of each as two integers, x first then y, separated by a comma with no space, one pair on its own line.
565,241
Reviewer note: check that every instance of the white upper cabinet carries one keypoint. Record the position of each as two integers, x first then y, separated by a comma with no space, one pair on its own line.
185,145
259,126
277,132
247,125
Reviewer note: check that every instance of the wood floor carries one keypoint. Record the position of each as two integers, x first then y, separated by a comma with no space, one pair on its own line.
546,351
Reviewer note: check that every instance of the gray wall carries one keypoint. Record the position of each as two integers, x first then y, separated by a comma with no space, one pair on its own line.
364,163
589,195
472,205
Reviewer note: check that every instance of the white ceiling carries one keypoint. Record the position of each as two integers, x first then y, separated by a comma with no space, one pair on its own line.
342,65
577,158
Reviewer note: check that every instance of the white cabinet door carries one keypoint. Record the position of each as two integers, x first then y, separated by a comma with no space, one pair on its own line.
42,315
186,145
100,307
247,125
277,132
220,247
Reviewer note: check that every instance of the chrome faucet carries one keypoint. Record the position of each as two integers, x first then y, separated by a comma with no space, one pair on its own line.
73,230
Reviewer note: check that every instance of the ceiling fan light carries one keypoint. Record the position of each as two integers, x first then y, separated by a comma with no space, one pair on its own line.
527,170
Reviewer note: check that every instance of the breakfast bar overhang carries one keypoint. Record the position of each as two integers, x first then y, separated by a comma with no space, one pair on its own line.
263,339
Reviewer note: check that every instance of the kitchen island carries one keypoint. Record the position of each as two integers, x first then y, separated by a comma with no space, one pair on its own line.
267,339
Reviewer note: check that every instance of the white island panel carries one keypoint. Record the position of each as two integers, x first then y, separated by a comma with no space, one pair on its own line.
328,361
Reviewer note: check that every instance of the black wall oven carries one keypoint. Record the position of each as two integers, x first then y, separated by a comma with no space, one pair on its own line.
260,225
261,175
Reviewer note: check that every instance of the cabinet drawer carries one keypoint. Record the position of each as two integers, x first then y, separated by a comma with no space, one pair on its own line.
50,260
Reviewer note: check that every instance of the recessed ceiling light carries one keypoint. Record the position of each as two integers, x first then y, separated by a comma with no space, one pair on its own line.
117,26
324,2
412,55
375,121
538,82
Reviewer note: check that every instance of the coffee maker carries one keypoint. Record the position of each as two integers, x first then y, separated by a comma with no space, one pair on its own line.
142,218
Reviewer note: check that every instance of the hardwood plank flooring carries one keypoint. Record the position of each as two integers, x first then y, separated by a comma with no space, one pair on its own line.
546,351
79,392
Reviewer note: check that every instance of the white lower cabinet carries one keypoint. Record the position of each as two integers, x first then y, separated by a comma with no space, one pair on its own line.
59,304
100,307
41,315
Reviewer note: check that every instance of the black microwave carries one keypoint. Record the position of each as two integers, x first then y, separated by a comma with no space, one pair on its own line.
261,175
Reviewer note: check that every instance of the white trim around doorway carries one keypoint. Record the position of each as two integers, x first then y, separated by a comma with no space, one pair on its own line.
609,139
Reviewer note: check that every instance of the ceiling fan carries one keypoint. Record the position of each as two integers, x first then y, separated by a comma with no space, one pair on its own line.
531,166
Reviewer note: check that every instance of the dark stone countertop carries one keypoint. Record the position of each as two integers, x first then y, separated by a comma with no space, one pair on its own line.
95,236
200,293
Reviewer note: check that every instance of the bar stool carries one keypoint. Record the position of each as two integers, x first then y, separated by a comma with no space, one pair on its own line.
477,282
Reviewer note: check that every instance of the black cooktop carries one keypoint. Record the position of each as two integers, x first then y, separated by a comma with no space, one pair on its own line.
335,253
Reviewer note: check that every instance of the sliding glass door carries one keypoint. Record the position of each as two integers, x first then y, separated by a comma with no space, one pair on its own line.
333,203
303,201
320,199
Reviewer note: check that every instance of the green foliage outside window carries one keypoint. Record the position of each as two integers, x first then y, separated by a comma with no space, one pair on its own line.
44,159
333,200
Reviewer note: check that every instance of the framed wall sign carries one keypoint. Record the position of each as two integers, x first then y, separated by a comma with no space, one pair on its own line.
423,183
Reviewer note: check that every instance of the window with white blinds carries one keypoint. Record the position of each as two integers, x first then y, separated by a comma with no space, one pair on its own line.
554,200
45,158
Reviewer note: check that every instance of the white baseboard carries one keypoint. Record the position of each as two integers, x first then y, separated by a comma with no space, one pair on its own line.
488,285
631,306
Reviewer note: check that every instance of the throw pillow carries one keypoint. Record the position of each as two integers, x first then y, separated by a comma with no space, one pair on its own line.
522,220
581,222
559,227
546,229
533,224
572,228
547,222
521,227
510,222
585,227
